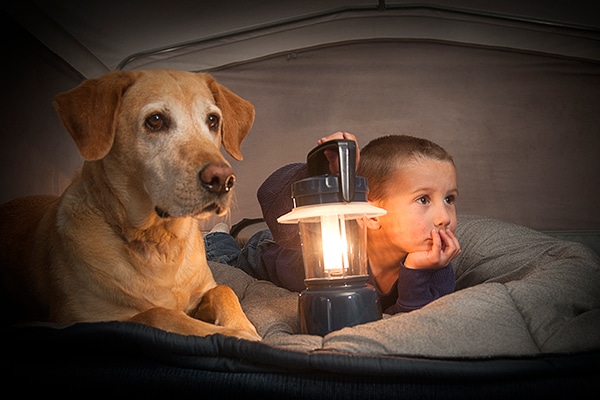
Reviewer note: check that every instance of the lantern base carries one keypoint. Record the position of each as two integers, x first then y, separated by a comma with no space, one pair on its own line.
327,305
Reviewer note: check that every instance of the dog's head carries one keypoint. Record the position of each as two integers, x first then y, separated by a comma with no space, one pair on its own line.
157,135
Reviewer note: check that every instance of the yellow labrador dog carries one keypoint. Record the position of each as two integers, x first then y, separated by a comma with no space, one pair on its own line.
122,242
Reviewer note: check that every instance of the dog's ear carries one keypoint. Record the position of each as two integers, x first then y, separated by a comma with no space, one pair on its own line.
238,117
89,112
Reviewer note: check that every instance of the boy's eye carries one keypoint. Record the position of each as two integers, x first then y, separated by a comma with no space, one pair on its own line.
450,199
423,200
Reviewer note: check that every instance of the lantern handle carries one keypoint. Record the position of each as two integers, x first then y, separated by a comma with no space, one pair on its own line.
319,165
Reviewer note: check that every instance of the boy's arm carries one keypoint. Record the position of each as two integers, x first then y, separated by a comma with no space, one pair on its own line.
275,199
282,259
419,287
284,267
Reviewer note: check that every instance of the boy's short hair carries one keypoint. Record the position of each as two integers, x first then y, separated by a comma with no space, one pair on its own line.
385,155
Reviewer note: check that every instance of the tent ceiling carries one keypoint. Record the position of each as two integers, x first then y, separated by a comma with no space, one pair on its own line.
100,35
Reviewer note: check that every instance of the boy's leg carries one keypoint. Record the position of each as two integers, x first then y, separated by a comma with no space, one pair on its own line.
251,257
222,247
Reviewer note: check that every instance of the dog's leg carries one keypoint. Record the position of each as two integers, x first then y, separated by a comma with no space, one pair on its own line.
221,306
179,322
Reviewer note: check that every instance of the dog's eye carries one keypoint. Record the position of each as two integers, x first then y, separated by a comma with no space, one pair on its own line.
213,121
156,122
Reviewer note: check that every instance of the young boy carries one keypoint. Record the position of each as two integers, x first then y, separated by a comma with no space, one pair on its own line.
409,249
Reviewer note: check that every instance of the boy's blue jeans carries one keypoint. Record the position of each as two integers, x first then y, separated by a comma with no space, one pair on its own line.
224,248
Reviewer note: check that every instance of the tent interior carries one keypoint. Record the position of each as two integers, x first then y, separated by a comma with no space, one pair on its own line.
511,89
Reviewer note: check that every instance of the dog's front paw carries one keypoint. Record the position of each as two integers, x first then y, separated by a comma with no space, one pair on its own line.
243,324
246,334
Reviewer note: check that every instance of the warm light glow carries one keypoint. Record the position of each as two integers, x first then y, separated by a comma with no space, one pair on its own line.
333,234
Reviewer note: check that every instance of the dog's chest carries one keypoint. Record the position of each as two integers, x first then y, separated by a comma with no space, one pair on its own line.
176,266
170,272
113,269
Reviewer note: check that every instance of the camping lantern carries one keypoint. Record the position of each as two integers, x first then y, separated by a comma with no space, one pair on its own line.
331,212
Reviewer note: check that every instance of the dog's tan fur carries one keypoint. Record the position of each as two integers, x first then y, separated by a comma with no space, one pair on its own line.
122,242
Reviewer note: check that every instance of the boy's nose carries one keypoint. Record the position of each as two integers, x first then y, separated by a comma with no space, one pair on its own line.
442,218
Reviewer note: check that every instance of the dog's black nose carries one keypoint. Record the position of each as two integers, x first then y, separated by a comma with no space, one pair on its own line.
217,178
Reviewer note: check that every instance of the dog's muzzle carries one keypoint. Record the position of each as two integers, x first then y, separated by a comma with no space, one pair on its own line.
217,178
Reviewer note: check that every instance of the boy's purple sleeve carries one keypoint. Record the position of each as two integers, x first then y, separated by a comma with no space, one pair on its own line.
419,287
275,199
282,260
284,267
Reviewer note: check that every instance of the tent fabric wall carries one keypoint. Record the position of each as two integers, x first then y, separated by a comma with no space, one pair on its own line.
38,155
520,115
398,21
96,36
523,127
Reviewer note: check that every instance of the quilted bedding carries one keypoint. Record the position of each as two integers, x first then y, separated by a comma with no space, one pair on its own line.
519,293
525,318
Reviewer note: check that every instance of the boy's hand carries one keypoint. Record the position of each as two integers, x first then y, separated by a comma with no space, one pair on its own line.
444,249
332,156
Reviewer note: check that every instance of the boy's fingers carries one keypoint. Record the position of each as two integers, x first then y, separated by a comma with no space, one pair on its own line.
436,247
452,247
333,136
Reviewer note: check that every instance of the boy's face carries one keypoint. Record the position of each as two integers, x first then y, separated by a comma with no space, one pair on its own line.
421,200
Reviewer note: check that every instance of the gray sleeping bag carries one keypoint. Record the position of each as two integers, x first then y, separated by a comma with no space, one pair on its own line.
519,293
